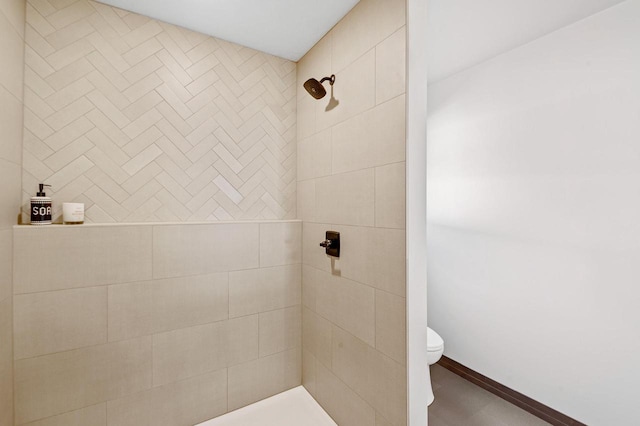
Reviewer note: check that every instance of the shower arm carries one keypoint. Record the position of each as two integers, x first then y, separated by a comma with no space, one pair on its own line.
331,79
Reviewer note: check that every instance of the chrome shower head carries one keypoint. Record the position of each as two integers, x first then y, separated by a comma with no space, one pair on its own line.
315,87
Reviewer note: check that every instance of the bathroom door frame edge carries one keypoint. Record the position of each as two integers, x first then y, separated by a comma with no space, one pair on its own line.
416,210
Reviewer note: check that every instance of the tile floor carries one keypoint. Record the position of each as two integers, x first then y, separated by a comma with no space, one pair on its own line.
461,403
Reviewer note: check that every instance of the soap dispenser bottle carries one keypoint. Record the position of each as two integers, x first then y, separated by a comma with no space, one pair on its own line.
41,208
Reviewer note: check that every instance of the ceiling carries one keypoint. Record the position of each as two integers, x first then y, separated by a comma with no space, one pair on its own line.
285,28
463,33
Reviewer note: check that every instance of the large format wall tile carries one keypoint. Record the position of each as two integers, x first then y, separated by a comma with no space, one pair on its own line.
59,320
346,303
14,11
373,256
280,330
95,415
158,345
130,310
390,66
6,263
12,53
6,363
368,24
9,184
188,352
264,289
54,384
11,127
187,301
180,250
280,243
264,377
345,406
390,196
360,192
145,121
376,378
373,138
187,402
348,198
61,257
391,329
316,336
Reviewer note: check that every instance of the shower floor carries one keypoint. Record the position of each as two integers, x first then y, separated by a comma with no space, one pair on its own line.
294,407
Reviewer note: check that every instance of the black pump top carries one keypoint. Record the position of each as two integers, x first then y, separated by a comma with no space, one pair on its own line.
41,192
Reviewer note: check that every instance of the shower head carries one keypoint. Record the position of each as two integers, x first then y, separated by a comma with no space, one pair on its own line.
315,87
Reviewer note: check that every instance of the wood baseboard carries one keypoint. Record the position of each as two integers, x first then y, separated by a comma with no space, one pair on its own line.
534,407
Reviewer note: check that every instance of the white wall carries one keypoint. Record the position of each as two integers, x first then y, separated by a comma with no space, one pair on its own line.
533,208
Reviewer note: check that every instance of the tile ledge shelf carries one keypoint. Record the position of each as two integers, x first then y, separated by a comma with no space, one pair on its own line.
96,225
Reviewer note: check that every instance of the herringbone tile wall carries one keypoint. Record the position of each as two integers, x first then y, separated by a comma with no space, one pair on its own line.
145,121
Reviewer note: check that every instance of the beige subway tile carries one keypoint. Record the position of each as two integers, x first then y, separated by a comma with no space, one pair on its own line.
264,377
340,402
378,379
347,198
242,339
314,156
370,22
312,253
80,257
11,126
391,327
374,256
54,384
95,415
280,243
265,289
6,363
373,138
280,330
130,310
187,301
354,89
316,336
189,352
390,196
390,66
186,402
11,46
180,250
59,320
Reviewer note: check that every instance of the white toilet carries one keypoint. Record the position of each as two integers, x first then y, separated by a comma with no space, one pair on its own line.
435,348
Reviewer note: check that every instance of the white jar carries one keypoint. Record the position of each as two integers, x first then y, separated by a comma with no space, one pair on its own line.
72,213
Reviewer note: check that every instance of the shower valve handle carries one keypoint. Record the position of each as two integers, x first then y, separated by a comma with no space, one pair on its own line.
331,243
325,244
